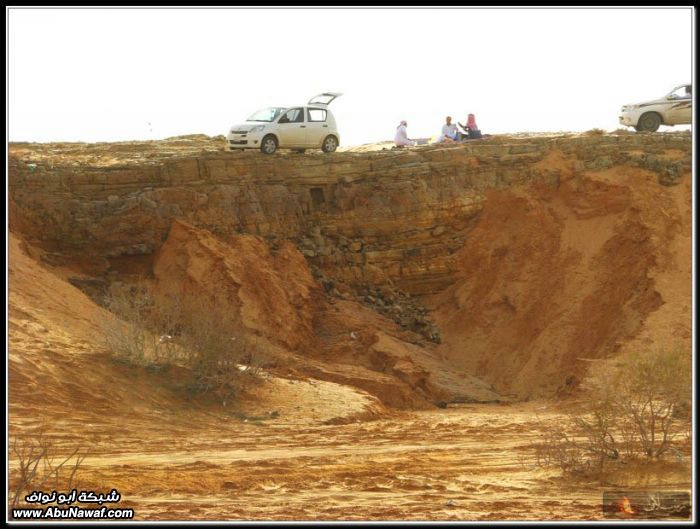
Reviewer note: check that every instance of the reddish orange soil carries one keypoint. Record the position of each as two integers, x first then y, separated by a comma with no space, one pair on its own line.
552,278
342,424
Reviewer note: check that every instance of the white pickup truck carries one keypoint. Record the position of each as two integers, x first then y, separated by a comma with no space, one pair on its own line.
675,108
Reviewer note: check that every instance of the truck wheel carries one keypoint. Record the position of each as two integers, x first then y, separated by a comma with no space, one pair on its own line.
268,144
330,144
648,122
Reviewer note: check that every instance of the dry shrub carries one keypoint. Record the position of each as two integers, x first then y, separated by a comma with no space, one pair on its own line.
653,398
595,132
635,408
583,444
214,353
141,334
39,467
158,332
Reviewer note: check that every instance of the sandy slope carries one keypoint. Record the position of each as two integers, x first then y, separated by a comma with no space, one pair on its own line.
58,366
554,277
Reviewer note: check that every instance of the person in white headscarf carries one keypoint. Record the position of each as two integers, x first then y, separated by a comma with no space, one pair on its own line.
401,138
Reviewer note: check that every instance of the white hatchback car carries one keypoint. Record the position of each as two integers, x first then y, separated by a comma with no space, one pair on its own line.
675,108
311,126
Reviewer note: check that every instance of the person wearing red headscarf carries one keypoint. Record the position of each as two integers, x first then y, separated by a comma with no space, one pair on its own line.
472,130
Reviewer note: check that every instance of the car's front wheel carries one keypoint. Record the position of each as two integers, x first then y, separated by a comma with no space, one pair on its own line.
269,144
648,122
330,144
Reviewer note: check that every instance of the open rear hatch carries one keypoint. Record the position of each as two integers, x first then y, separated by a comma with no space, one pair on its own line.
324,98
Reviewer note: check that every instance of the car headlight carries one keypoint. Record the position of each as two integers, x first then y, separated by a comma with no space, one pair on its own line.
257,128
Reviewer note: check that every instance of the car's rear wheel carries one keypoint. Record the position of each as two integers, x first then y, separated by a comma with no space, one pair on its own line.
330,144
268,144
648,122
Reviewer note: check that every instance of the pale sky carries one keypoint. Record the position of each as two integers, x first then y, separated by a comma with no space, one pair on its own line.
128,74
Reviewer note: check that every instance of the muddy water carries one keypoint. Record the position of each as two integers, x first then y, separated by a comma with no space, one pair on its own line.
467,463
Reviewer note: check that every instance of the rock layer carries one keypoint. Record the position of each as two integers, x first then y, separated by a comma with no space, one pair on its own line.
359,217
535,255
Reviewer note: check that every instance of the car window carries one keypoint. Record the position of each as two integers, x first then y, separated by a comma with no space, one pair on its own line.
294,115
266,114
681,92
317,114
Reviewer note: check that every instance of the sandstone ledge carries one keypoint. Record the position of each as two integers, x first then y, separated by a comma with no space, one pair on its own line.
372,217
